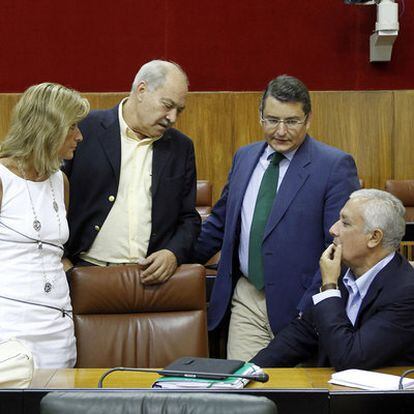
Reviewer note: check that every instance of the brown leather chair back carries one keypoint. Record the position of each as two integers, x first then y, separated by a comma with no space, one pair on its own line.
120,322
204,198
404,190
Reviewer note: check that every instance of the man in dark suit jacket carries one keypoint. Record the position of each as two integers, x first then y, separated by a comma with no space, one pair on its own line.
133,180
364,318
314,182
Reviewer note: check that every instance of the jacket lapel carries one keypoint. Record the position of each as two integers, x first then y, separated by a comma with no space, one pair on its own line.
110,139
295,177
241,175
375,288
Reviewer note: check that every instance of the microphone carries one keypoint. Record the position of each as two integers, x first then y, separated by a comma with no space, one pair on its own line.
259,377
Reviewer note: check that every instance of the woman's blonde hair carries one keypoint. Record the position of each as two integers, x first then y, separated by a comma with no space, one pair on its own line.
40,123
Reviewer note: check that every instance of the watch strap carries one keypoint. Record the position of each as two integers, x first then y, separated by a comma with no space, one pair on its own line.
328,286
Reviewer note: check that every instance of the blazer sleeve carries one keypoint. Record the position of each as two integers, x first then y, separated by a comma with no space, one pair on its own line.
211,237
343,180
381,338
294,344
188,224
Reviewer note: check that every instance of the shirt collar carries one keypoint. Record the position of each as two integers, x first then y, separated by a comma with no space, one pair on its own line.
127,131
362,283
288,155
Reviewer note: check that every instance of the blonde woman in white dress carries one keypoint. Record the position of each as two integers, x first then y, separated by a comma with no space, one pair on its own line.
35,304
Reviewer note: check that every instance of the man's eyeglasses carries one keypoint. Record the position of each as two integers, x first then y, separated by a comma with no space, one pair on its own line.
290,123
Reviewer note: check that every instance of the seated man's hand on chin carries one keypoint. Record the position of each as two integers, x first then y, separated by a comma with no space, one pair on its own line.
330,264
161,265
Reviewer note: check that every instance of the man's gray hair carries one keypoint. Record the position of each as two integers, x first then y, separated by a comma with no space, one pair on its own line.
154,74
381,210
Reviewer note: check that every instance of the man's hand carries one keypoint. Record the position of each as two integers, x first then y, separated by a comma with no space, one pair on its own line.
330,264
161,266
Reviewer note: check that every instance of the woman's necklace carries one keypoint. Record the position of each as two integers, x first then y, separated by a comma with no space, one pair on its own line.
37,226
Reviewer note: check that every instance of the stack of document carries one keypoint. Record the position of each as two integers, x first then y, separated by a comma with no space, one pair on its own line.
368,380
199,383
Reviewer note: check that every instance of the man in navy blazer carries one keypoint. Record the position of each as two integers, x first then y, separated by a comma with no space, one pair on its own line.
314,182
133,180
364,318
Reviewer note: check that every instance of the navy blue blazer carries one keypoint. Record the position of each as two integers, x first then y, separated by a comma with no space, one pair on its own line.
383,334
317,184
94,176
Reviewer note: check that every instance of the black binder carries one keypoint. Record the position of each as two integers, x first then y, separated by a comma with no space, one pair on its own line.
206,365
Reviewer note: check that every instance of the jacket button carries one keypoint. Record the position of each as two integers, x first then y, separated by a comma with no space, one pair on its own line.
96,227
111,198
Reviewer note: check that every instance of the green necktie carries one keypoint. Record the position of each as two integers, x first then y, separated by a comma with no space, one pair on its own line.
264,203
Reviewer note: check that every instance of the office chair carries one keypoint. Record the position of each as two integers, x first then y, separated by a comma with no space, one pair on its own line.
204,199
121,322
148,402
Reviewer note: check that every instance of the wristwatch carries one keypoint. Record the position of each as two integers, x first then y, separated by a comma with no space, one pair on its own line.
328,286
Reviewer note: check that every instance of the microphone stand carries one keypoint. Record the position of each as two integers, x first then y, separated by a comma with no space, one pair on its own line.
260,377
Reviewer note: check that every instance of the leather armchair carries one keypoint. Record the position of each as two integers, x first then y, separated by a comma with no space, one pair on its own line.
154,402
121,322
204,198
404,190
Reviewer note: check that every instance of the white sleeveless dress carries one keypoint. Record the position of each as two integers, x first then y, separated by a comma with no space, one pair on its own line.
25,269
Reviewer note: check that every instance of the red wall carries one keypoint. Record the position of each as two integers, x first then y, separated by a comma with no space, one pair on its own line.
97,45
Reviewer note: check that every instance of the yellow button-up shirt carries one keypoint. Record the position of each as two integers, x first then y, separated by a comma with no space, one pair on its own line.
125,234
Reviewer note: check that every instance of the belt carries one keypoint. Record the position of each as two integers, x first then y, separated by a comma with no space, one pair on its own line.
102,263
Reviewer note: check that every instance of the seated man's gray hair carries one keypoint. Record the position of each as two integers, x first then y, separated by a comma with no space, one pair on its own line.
382,210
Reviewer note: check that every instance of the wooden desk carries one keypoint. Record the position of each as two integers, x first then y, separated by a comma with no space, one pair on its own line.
295,390
279,378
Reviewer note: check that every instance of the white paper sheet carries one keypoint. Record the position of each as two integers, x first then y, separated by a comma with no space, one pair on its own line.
369,380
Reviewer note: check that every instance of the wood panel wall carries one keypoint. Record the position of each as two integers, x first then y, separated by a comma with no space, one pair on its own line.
374,126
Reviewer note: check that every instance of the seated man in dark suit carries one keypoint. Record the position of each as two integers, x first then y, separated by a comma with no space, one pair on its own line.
363,318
